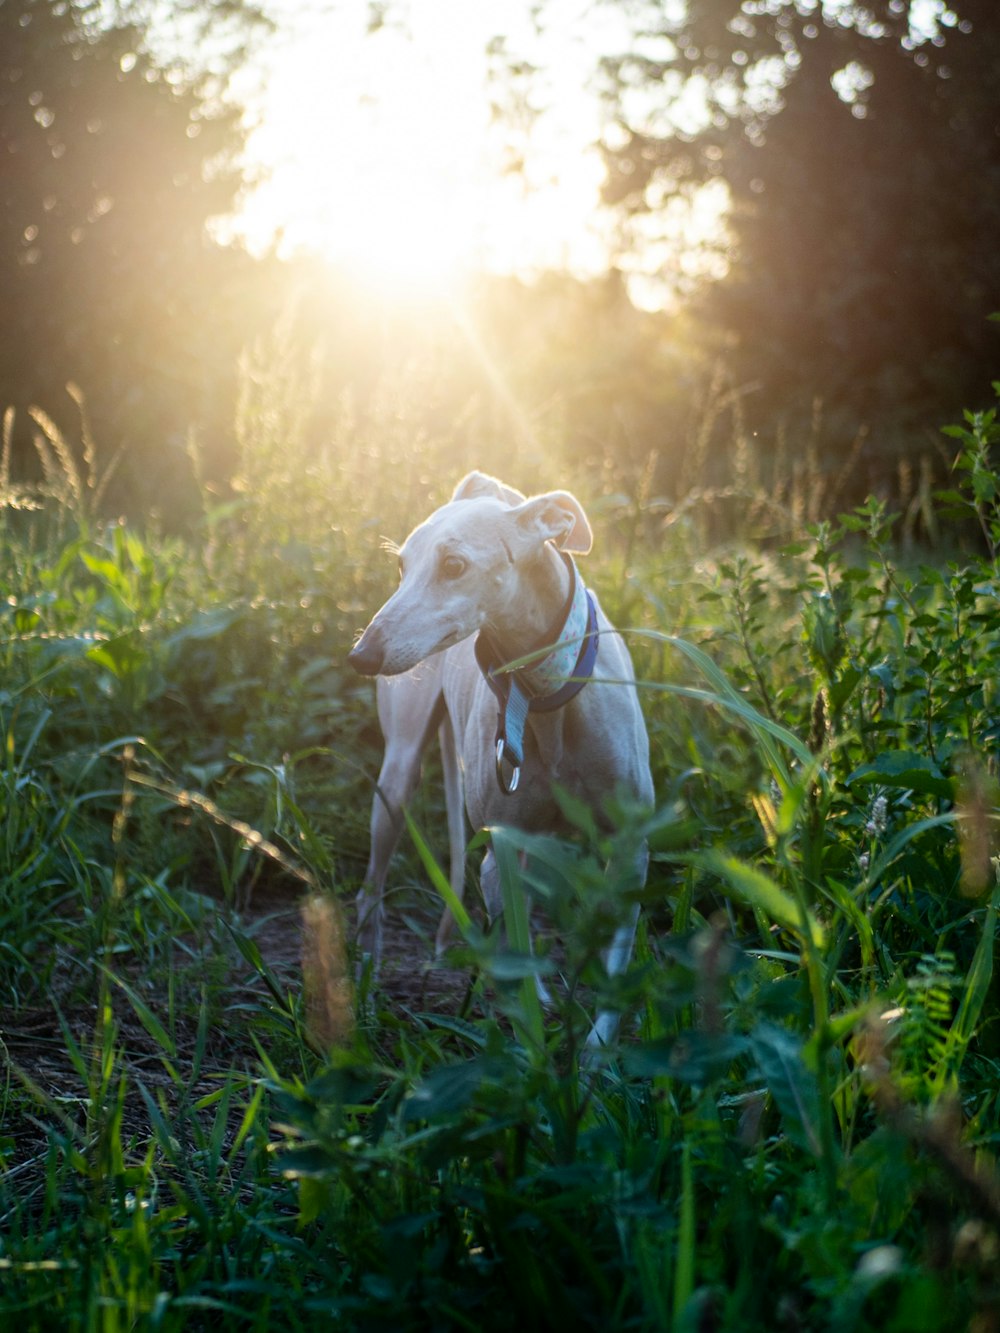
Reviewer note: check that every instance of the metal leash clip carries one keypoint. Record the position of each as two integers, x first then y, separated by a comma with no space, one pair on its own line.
508,788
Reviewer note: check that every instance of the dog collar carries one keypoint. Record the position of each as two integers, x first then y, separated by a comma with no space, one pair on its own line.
544,685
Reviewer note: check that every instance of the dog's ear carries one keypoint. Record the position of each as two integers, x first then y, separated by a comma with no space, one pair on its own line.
478,484
556,517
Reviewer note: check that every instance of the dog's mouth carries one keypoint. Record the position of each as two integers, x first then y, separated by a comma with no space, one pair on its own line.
378,653
455,635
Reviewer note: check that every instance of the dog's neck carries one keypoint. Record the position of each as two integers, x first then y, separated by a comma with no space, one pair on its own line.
534,619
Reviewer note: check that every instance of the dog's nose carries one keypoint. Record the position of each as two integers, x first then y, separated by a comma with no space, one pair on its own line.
367,654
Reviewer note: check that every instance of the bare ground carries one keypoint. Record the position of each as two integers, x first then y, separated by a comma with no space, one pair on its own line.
42,1083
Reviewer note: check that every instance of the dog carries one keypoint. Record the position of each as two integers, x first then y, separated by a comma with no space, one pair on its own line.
486,580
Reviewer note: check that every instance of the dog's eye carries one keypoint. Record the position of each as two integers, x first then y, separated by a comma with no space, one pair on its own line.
452,567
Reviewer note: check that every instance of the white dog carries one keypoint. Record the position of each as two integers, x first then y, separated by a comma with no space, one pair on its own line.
486,580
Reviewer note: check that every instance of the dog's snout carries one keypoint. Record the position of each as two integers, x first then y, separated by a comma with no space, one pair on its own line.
368,653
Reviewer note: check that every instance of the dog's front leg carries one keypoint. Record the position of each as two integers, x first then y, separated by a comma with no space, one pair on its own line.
396,783
454,802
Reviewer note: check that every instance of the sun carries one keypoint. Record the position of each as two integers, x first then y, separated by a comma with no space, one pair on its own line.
381,155
375,153
387,209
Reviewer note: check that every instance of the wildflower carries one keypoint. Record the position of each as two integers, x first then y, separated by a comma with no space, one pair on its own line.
878,817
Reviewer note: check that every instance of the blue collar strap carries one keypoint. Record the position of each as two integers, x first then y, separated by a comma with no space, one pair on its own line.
540,686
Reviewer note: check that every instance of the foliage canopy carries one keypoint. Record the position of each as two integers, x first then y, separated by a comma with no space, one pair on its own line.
863,164
114,160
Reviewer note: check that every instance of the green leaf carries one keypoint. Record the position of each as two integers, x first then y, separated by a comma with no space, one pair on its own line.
206,625
684,1269
25,619
839,895
347,1082
452,1088
308,1162
511,966
901,840
695,1057
902,768
778,1055
842,689
109,572
515,914
121,656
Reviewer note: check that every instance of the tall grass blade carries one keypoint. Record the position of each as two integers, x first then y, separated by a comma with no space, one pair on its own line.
760,891
727,696
970,1008
518,928
438,878
146,1017
684,1264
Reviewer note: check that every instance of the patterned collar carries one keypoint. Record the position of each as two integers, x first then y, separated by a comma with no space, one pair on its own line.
543,685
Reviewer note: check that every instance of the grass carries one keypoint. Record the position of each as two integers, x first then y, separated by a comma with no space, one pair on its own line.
798,1126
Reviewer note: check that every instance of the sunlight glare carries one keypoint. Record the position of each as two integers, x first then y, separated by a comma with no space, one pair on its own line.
381,156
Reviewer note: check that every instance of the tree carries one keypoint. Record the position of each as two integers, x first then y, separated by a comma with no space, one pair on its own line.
113,161
862,157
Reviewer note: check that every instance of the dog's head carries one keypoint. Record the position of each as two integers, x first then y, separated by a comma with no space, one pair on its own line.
556,516
472,563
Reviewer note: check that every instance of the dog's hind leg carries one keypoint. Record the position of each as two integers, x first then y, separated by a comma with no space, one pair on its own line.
618,954
616,958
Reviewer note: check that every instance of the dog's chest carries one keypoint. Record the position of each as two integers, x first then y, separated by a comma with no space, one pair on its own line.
572,748
532,806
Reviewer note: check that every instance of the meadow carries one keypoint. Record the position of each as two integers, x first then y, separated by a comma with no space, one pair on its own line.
201,1129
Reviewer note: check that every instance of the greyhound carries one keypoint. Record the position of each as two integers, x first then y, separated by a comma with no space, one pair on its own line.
486,580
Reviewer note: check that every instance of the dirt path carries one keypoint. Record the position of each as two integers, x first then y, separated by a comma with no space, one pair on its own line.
41,1082
410,978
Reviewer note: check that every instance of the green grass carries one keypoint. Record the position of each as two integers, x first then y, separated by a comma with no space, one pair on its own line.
798,1126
